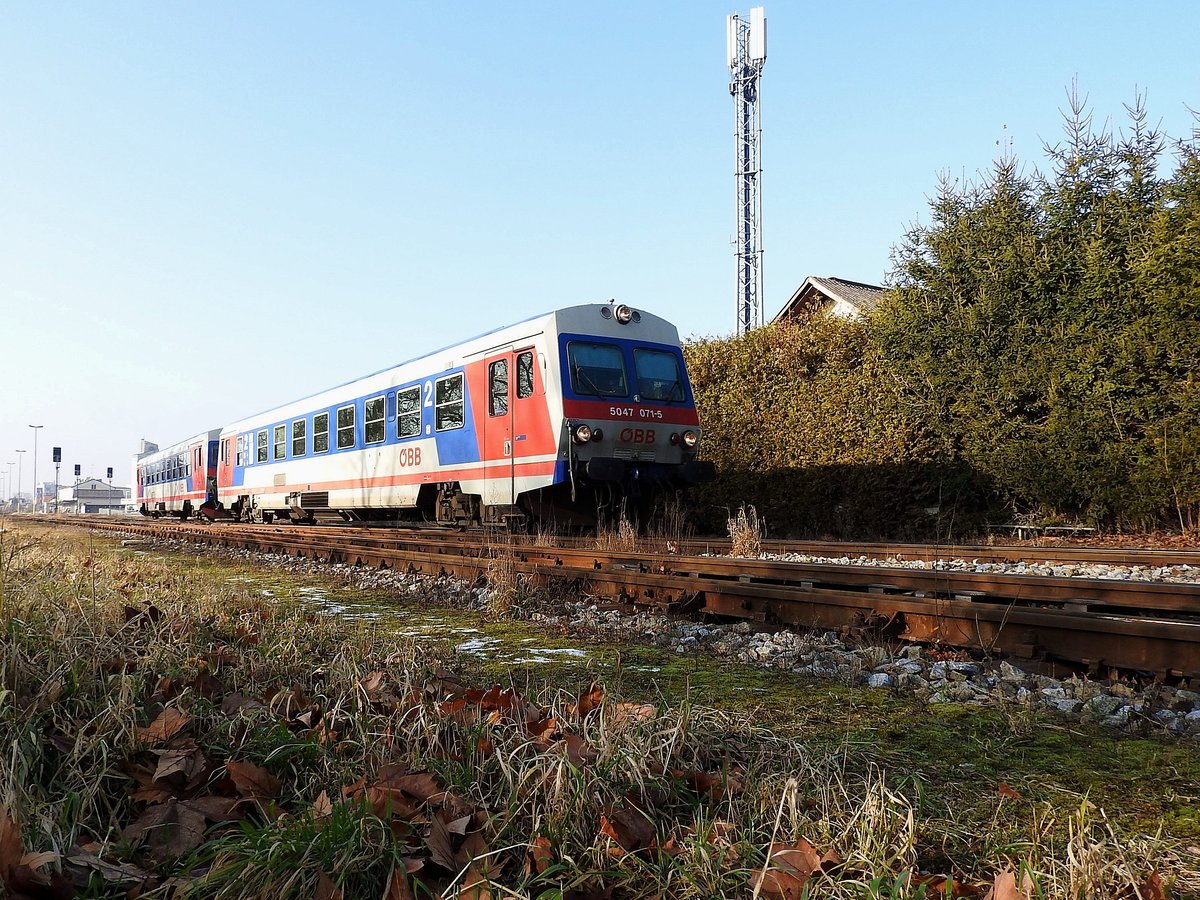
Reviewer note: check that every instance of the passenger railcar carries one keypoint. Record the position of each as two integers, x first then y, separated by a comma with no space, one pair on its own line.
180,479
552,418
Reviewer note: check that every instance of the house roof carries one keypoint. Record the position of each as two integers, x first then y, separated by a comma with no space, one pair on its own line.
863,297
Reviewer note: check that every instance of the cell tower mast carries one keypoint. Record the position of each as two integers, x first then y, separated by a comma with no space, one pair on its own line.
746,43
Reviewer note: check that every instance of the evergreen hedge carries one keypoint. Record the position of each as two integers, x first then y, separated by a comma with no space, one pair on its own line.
1037,356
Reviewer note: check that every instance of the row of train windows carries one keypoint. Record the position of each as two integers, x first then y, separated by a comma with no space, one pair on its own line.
173,469
449,407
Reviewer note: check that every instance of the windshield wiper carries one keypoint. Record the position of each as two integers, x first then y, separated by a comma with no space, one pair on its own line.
583,376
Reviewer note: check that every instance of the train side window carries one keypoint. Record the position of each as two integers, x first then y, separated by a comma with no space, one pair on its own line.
345,427
408,412
241,450
597,369
524,374
498,388
374,421
449,407
262,446
321,432
298,435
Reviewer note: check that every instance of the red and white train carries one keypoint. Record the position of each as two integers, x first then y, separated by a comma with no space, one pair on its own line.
548,419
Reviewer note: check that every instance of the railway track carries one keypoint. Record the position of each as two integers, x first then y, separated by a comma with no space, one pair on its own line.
1100,624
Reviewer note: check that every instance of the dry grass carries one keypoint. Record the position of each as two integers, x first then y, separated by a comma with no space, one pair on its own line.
621,539
745,532
83,661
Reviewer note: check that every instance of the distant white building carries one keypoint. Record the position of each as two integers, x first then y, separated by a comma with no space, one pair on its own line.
91,495
832,297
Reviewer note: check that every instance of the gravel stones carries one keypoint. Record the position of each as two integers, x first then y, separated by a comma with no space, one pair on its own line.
825,655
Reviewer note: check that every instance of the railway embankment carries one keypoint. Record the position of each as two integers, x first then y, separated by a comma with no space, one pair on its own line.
929,674
186,714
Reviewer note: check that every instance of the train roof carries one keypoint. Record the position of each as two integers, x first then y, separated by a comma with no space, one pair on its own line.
571,316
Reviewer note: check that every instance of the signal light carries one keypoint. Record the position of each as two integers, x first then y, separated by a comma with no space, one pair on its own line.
57,454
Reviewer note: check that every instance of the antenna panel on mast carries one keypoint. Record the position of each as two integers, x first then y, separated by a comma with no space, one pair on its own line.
758,35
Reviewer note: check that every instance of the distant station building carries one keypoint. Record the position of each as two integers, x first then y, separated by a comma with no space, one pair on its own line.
91,495
831,297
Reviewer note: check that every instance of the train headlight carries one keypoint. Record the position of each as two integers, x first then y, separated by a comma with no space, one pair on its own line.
624,314
690,439
583,434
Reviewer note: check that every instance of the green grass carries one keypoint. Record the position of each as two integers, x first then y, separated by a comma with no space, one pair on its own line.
892,784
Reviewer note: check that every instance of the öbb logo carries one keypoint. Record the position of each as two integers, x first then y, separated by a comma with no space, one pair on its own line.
637,436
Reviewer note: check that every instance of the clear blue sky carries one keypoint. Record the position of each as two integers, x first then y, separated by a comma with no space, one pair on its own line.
210,208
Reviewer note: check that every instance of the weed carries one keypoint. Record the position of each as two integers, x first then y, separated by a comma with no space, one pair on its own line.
745,532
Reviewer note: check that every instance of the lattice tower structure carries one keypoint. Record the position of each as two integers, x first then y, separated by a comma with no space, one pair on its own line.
746,55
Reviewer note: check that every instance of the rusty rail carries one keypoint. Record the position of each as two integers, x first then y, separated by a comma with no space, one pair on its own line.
1098,623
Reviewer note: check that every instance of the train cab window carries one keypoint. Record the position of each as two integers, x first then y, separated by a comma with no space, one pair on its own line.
498,388
280,442
374,420
658,375
298,428
321,432
597,369
408,412
345,427
524,374
262,446
449,407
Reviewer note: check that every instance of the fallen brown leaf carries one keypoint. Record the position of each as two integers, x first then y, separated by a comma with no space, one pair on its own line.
629,828
1007,792
579,751
710,784
1005,887
116,872
253,782
1152,888
540,855
322,807
179,768
441,848
326,889
168,723
589,699
372,685
10,846
169,829
397,886
476,886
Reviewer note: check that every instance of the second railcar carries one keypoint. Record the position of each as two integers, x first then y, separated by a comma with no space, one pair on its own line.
178,480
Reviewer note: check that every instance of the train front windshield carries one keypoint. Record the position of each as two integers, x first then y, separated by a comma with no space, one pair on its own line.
597,369
658,375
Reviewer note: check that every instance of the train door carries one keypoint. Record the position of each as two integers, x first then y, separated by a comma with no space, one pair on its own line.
498,430
225,462
531,432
